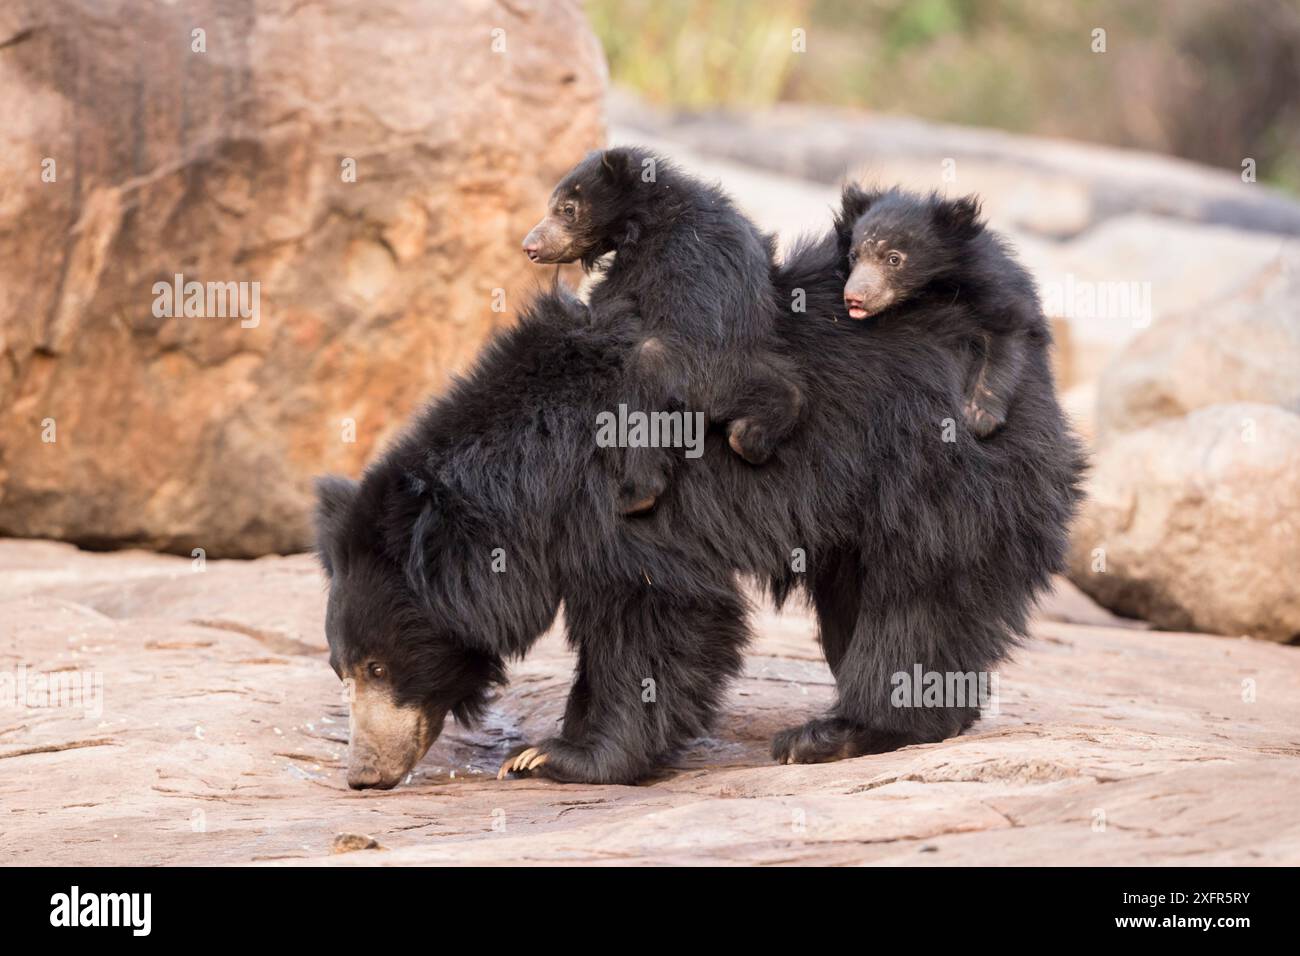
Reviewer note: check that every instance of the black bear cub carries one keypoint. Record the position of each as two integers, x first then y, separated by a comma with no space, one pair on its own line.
906,251
696,275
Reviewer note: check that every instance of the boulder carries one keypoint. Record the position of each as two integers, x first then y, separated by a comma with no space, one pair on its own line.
1130,273
1193,523
1038,184
345,186
1244,347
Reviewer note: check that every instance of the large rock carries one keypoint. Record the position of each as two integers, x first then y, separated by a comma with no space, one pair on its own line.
1194,523
232,163
1244,347
1130,273
1040,185
220,738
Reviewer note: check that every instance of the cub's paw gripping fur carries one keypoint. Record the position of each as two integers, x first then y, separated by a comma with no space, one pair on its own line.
750,441
982,421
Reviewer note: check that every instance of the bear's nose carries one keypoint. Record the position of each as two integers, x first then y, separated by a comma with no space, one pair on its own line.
363,778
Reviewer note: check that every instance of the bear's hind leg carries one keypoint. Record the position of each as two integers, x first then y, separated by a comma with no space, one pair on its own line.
878,708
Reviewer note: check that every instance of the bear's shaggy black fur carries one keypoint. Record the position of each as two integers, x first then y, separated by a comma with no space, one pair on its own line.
695,272
919,551
931,260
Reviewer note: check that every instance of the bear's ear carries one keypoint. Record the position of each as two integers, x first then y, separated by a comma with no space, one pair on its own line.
419,555
854,202
334,499
617,166
958,218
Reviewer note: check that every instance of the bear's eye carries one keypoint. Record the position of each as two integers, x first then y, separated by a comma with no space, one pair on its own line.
378,671
568,210
895,259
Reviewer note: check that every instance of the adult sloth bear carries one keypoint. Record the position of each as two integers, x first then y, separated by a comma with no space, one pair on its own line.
919,545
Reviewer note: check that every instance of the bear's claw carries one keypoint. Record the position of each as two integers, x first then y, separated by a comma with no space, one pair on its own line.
528,759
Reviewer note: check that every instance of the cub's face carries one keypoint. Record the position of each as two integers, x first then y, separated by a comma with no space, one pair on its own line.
583,211
900,244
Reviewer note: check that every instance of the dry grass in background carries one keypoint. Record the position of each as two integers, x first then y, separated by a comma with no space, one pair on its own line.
1209,80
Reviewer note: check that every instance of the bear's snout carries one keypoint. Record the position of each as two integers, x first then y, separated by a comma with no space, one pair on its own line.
386,738
867,291
369,778
548,242
533,241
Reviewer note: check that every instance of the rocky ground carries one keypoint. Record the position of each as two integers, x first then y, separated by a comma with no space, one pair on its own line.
219,737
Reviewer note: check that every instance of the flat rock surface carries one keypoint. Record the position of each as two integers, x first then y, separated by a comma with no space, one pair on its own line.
200,724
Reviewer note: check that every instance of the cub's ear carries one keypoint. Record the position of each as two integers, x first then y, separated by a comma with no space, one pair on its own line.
958,218
854,202
618,166
334,498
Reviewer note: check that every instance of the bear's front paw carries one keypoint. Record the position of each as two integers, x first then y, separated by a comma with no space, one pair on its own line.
750,440
982,421
558,759
523,760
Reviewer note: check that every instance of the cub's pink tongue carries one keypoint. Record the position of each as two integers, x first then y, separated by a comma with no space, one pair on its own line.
856,313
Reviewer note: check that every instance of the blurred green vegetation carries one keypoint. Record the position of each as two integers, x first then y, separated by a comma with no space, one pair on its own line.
1211,80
